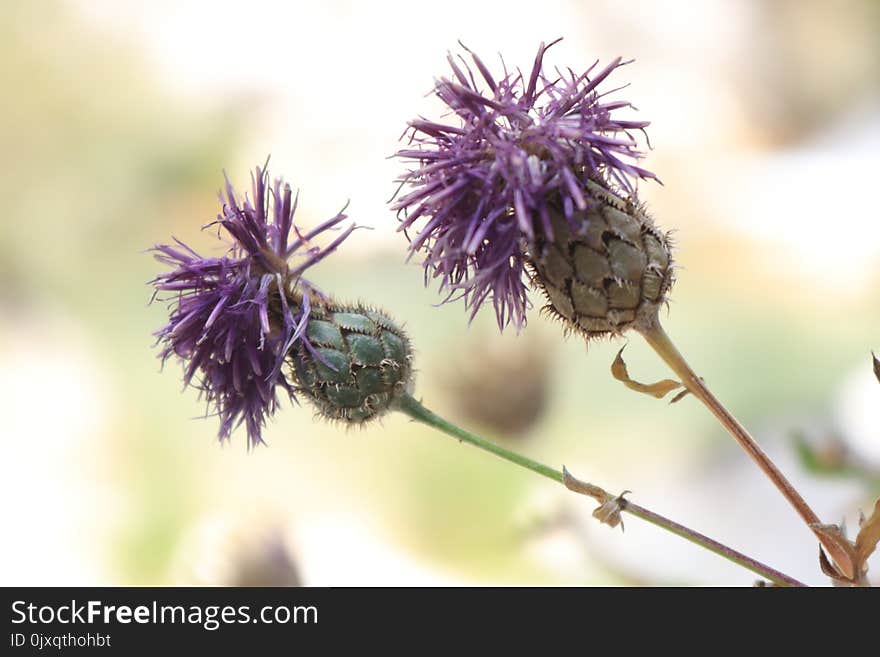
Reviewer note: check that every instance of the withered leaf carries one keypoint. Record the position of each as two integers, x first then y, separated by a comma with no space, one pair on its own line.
845,567
591,490
828,567
684,393
658,390
837,580
876,365
609,512
869,536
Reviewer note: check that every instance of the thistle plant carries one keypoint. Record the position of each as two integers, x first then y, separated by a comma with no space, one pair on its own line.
247,323
533,180
235,318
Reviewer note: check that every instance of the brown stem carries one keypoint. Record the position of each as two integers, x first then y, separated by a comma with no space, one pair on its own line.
663,345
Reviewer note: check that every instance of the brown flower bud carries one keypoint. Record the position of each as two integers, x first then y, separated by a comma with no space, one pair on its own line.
606,271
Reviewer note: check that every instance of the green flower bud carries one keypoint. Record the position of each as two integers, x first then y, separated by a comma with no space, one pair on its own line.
611,273
360,366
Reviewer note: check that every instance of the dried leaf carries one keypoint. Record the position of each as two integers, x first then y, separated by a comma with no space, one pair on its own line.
876,365
844,567
869,536
609,512
572,483
609,508
658,390
684,393
828,567
831,571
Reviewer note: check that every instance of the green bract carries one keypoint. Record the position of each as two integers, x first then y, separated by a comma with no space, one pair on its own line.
359,365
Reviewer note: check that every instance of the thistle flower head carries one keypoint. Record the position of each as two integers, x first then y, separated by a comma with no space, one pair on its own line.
234,318
521,149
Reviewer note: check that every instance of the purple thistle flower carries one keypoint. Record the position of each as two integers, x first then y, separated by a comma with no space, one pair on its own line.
486,186
235,318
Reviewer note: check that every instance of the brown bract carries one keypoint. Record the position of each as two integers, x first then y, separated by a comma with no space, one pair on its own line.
607,271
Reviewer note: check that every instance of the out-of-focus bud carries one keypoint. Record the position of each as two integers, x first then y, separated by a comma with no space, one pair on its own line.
220,552
503,385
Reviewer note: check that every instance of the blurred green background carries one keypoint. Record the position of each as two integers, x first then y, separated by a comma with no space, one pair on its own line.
117,122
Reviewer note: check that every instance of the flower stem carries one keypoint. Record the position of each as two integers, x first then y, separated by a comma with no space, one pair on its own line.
412,407
415,410
666,349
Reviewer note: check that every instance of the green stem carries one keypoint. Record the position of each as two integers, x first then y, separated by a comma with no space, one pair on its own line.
415,410
412,407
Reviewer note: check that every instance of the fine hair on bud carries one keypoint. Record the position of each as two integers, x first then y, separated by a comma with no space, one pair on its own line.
355,364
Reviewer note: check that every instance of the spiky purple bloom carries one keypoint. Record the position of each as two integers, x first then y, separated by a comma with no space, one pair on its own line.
235,318
486,185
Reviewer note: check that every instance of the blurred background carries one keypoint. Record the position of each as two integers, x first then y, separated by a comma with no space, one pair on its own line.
117,121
